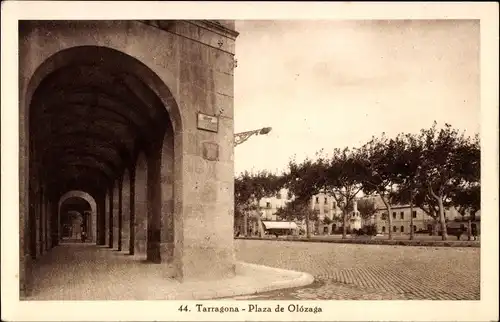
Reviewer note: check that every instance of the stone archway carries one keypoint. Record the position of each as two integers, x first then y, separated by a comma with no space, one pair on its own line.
90,102
92,233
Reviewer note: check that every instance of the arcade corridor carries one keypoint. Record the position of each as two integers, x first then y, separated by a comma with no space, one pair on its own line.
82,271
108,113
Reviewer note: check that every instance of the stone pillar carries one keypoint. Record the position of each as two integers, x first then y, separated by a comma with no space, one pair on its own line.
167,198
38,227
110,216
154,205
24,249
119,215
54,223
43,221
132,213
107,208
115,212
204,230
125,239
48,235
101,220
140,203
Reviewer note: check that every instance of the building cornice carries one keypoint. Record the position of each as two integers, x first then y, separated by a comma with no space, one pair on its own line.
215,26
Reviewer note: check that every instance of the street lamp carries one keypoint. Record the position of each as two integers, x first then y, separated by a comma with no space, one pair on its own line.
243,136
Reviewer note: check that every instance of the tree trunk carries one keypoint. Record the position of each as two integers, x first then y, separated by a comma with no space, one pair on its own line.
344,224
260,228
412,232
442,219
308,230
245,224
469,229
388,207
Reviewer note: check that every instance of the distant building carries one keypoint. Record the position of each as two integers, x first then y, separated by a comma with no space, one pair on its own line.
330,216
401,218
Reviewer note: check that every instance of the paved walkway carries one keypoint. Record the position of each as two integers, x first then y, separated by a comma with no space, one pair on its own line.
88,272
370,272
342,271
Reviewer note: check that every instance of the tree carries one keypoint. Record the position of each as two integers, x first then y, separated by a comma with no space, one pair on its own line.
249,190
366,208
343,180
381,159
304,180
243,191
449,159
408,168
467,201
297,210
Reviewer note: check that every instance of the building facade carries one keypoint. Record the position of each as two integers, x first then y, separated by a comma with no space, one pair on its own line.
330,216
402,218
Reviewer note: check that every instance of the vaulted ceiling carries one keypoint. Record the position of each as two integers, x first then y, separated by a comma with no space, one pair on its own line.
87,123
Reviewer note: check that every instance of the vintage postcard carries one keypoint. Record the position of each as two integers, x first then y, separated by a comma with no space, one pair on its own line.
249,161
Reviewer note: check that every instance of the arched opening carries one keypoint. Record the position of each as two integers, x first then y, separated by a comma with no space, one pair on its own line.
91,111
90,217
402,229
95,97
394,229
75,219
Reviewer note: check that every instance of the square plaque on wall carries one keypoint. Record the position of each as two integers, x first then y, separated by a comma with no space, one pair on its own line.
208,122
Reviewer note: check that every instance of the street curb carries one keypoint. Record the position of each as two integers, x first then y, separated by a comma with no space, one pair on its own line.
436,243
283,279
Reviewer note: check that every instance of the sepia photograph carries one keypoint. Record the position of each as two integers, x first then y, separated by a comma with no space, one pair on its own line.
251,166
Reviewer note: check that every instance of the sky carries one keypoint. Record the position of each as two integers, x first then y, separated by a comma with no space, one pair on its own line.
332,84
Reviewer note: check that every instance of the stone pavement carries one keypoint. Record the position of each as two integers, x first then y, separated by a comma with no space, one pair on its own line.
77,271
369,272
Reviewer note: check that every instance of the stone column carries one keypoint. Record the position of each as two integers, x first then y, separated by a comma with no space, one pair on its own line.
125,240
110,217
101,220
48,211
167,198
204,229
120,212
140,202
43,221
38,227
115,212
154,205
107,208
132,213
54,223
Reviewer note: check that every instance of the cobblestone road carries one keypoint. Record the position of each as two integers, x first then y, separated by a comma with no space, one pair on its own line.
369,272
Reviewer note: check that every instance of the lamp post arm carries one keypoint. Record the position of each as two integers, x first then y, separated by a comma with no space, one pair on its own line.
243,136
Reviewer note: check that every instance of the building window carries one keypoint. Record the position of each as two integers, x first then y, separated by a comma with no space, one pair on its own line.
394,229
383,229
414,214
402,215
317,199
268,204
402,229
414,228
394,215
326,200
